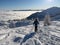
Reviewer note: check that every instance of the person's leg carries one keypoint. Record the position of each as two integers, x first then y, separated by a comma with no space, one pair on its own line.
35,28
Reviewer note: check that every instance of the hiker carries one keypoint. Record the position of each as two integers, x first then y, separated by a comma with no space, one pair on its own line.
35,23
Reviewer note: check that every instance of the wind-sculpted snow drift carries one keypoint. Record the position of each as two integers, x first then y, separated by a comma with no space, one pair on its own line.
43,37
46,35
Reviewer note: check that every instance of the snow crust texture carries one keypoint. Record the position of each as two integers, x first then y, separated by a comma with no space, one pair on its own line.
25,35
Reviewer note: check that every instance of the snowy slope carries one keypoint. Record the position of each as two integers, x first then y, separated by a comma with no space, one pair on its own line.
46,35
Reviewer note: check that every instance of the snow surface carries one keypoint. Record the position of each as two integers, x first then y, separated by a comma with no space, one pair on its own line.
25,35
46,35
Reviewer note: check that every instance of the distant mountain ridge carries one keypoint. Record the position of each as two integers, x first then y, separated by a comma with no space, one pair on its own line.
54,12
28,10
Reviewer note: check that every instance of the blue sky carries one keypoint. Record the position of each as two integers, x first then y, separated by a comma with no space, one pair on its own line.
28,4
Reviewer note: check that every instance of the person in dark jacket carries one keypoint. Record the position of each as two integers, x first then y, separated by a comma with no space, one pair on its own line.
36,22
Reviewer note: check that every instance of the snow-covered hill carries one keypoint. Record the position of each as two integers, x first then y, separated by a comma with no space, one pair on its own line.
46,35
54,13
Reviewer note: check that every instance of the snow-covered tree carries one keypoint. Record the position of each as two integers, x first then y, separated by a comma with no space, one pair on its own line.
47,20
